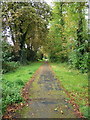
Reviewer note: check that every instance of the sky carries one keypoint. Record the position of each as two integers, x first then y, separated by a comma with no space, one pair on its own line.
49,2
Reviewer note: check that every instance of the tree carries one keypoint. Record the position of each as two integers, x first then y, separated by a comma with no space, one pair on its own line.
67,40
56,42
28,25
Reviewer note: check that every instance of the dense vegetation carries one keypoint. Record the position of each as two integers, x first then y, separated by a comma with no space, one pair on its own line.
67,40
33,31
27,26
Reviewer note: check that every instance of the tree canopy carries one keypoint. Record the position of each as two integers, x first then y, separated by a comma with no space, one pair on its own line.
36,29
27,23
67,40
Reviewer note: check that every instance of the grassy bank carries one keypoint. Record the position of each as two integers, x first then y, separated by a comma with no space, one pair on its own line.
75,83
13,82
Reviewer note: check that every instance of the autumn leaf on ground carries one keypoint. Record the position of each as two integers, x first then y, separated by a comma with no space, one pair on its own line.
61,111
56,109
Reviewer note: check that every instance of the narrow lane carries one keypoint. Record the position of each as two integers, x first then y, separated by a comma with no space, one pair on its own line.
47,98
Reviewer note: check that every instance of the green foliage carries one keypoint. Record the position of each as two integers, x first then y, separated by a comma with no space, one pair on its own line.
85,111
73,59
83,66
80,63
39,55
9,66
19,82
6,51
67,38
28,26
10,93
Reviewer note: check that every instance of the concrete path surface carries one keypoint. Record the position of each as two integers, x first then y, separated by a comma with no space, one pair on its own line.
47,98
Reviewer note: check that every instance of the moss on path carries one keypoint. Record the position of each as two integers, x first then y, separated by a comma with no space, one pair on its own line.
47,98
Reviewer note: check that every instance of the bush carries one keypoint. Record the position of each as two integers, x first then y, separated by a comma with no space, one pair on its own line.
7,58
83,67
10,93
79,62
7,51
10,66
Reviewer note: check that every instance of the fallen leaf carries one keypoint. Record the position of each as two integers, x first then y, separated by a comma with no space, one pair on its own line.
61,111
73,105
21,104
33,114
30,103
56,109
65,105
27,105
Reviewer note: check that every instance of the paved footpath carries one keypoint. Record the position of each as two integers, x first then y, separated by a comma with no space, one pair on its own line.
47,98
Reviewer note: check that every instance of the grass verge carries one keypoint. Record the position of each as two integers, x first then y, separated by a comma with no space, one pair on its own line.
75,83
13,82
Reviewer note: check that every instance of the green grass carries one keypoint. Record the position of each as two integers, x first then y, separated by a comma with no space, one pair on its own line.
13,82
23,73
75,83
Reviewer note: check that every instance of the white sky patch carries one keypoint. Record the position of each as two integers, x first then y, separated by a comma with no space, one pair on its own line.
49,2
66,1
45,0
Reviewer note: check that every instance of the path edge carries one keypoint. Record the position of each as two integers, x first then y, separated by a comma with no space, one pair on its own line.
71,101
11,109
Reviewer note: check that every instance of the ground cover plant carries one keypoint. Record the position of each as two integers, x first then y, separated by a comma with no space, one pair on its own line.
13,82
75,83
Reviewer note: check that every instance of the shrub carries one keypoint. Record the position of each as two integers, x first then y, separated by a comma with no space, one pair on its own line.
79,63
10,93
9,66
